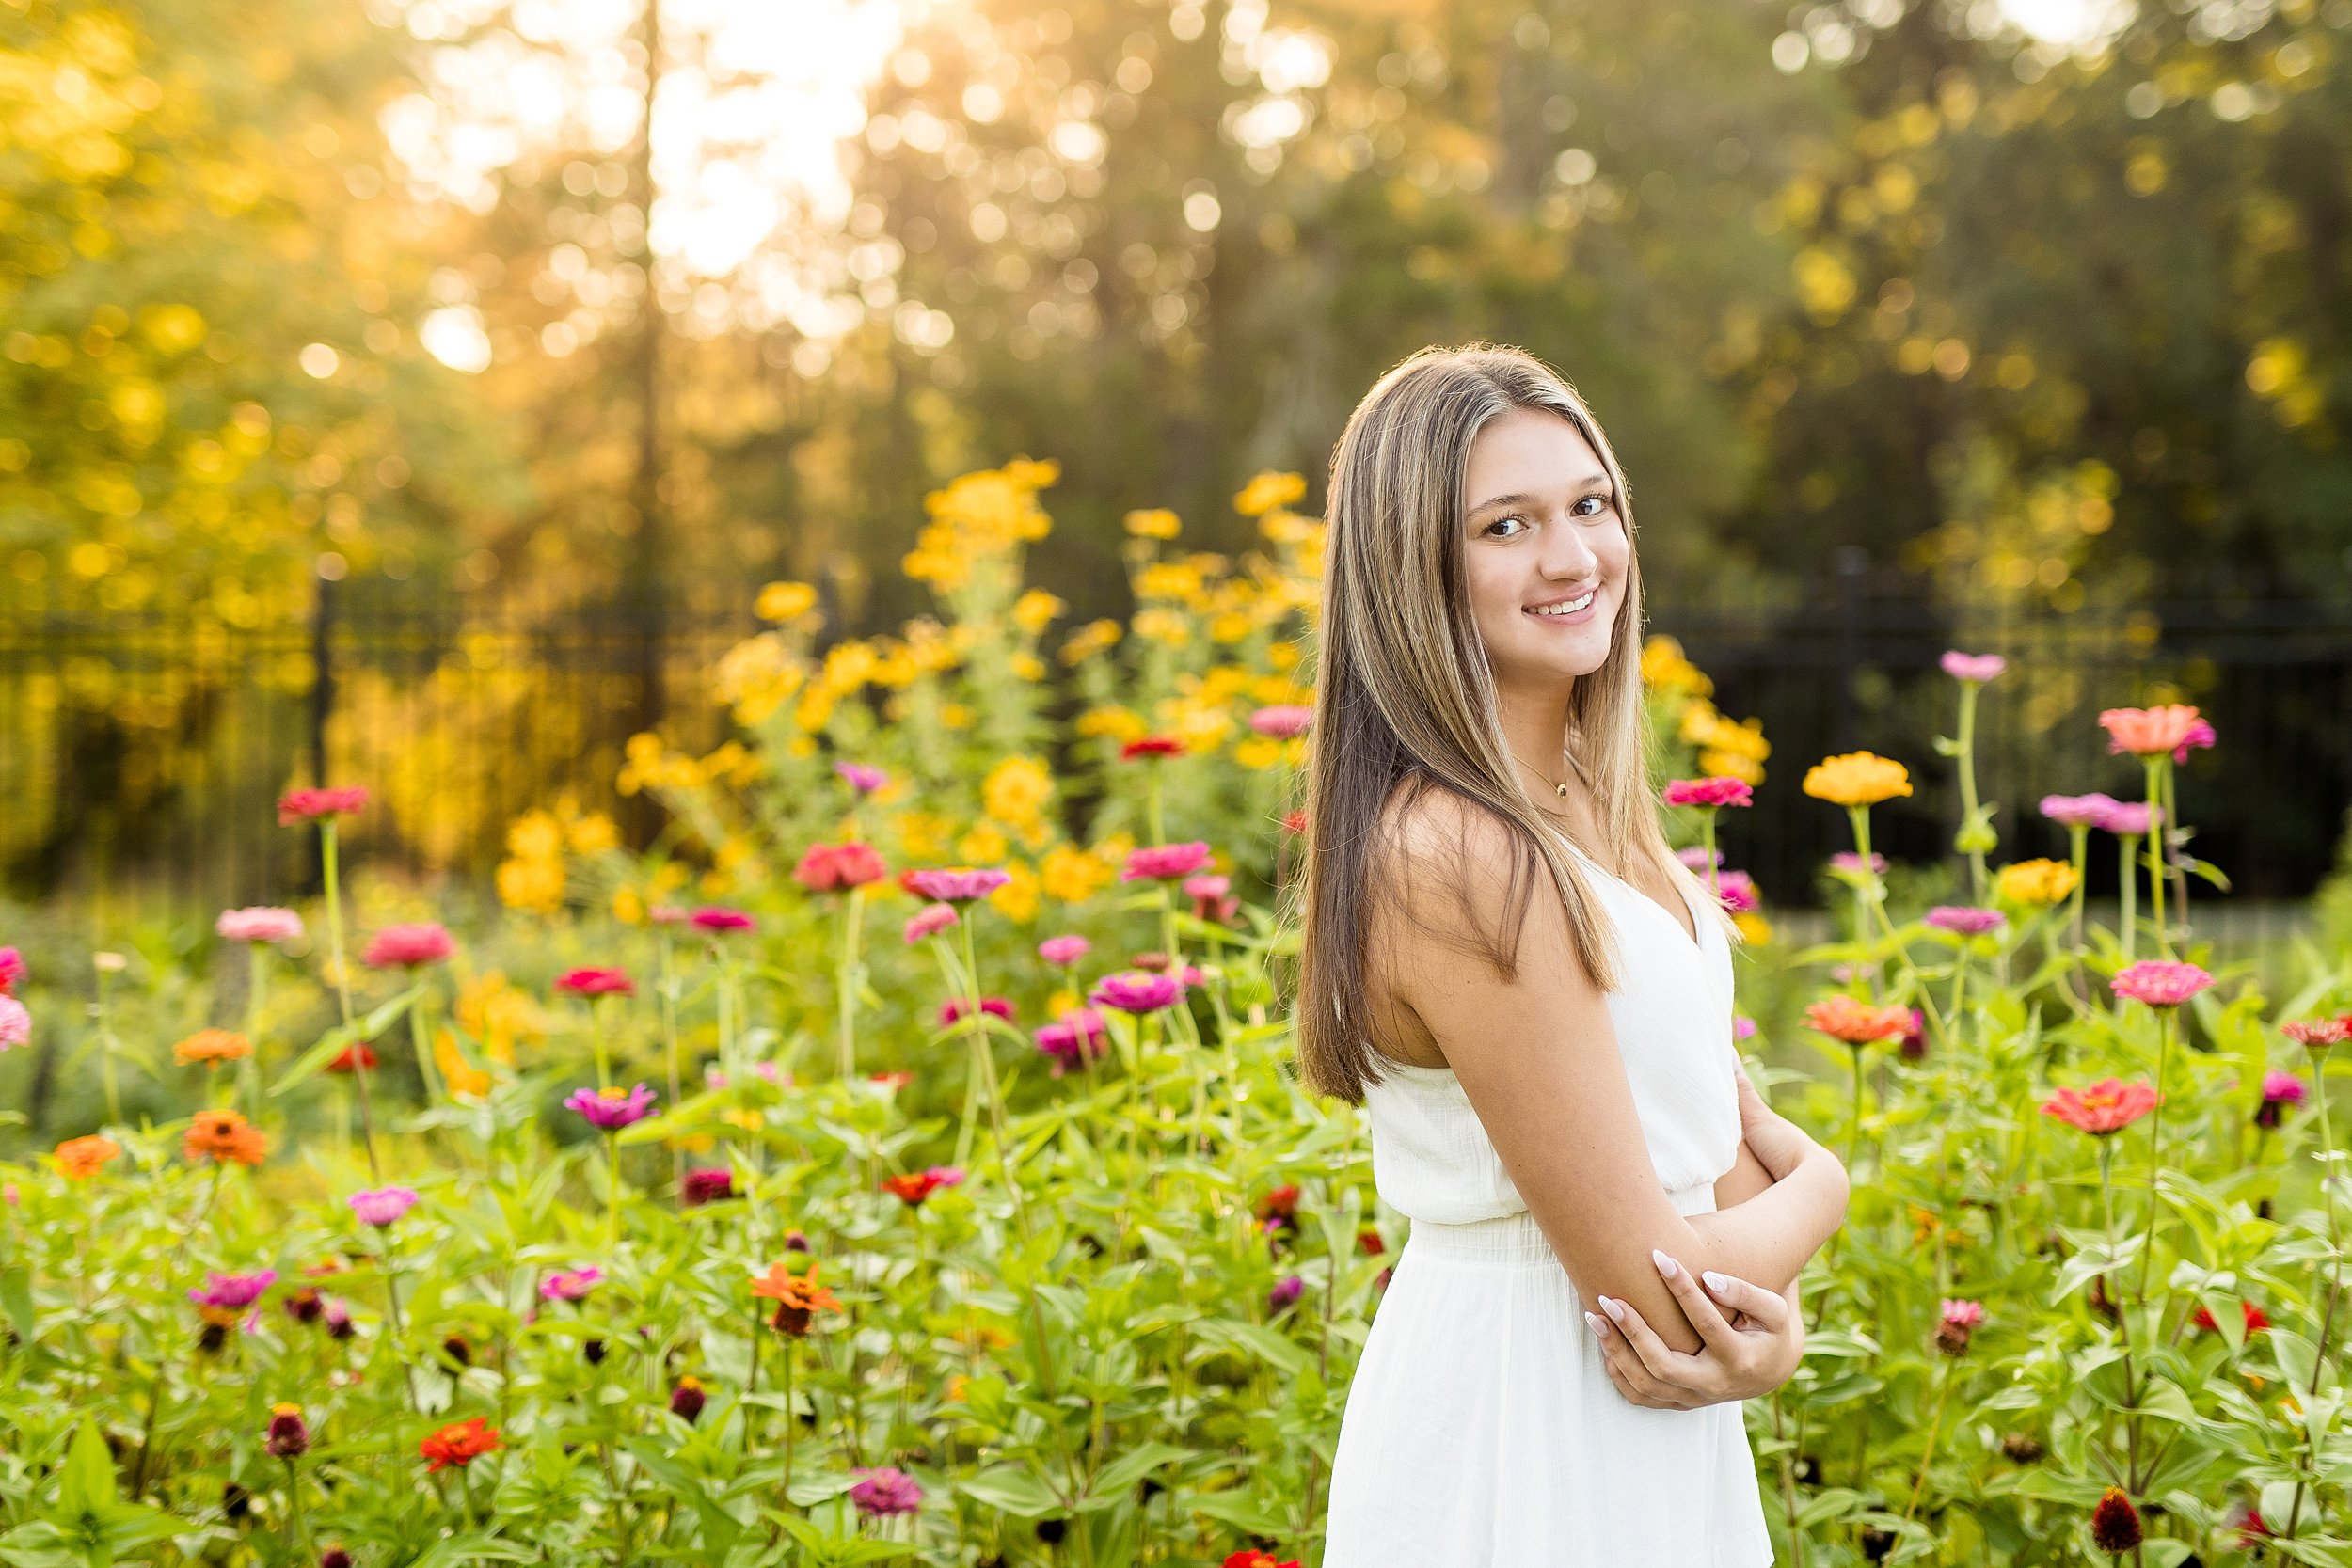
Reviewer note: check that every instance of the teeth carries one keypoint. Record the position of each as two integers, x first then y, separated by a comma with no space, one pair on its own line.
1571,608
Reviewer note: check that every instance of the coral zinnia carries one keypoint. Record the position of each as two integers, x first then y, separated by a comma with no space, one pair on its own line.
913,1187
224,1137
2148,732
213,1047
1857,779
460,1443
309,805
2159,983
1717,790
930,920
261,923
16,1022
2107,1106
82,1157
2114,1524
406,946
1855,1022
2318,1033
796,1296
834,867
595,982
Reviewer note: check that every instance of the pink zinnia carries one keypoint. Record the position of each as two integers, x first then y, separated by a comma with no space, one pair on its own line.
719,920
1166,862
1064,950
2159,983
1973,667
16,1023
232,1292
885,1490
2279,1091
609,1109
1736,889
1286,1294
2105,1108
1847,864
706,1184
382,1206
1969,1314
2129,818
1212,897
11,970
1958,1319
1281,721
1132,991
1073,1039
952,1009
1964,920
666,914
2148,732
1742,1027
2318,1033
597,982
930,920
570,1284
860,777
1695,857
956,884
834,867
2078,810
1717,790
260,923
309,805
423,942
2200,733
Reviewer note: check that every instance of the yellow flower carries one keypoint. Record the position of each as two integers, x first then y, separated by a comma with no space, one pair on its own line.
1857,779
461,1076
814,711
1258,752
731,762
535,835
1017,899
984,844
1752,926
1165,580
1118,723
1162,624
593,834
1094,638
628,906
757,676
1268,491
1155,523
1230,626
848,666
499,1014
2036,883
785,601
923,834
955,716
535,885
1028,666
1016,790
1664,669
1033,610
1072,875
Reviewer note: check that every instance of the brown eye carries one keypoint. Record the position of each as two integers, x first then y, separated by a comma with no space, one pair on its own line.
1602,504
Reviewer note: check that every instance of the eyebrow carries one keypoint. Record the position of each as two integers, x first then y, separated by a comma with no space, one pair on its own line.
1590,481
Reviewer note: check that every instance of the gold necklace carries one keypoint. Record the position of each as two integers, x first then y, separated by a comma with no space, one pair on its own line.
1561,788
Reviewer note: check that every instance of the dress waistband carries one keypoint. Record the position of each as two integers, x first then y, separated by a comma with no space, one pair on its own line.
1517,1239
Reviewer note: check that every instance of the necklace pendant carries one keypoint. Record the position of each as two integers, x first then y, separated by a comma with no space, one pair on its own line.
1562,790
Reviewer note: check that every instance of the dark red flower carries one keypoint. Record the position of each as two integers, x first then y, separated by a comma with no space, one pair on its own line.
708,1185
352,1057
597,982
288,1438
2253,1316
309,805
1151,746
2115,1523
687,1400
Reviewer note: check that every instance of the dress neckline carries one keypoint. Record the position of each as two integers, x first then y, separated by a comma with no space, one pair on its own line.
1694,938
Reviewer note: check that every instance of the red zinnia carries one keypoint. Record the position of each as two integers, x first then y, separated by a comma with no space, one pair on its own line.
2107,1106
2256,1319
309,805
1151,746
597,982
1255,1558
423,942
460,1443
833,868
2115,1523
352,1057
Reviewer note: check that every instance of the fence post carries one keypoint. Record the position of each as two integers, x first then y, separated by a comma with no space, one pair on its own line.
1852,561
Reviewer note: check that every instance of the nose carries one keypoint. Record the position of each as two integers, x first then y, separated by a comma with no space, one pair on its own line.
1566,555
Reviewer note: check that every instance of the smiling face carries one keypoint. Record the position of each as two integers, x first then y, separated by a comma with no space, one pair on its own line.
1544,550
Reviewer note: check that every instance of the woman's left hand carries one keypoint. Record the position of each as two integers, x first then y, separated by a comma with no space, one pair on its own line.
1752,1353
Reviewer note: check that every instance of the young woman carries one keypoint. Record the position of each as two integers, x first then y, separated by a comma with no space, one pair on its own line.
1504,960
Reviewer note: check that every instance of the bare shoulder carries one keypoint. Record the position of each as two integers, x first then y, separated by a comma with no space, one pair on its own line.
1441,859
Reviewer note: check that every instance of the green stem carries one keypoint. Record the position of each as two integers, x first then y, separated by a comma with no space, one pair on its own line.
256,992
2335,1272
1935,1424
1706,841
425,1052
669,1048
328,864
2079,855
853,915
2157,827
1968,786
2128,892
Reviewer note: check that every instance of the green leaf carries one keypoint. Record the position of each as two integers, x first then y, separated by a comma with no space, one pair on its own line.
1239,1509
87,1482
331,1044
16,1301
1132,1466
1014,1489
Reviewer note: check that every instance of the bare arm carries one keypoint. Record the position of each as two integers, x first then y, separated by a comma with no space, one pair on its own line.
1539,1060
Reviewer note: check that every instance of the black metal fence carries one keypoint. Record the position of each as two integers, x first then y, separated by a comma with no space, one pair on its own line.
146,752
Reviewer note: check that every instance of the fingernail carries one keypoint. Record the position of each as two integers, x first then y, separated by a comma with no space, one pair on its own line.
1599,1324
1666,1265
1614,1310
1716,1282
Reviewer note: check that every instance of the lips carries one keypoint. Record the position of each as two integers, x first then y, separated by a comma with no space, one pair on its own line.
1561,608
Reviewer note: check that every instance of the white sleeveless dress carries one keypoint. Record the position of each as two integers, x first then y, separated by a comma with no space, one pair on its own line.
1482,1429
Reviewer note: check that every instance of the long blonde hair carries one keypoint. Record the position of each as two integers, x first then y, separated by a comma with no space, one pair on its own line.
1404,696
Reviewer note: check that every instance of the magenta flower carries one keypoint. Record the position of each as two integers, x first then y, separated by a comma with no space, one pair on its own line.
884,1491
1736,889
1956,1322
1694,858
930,921
1281,721
16,1023
1973,667
1964,920
2160,983
11,970
1136,992
231,1293
609,1109
1716,790
720,920
2128,818
2078,810
861,778
2279,1091
956,884
667,914
952,1009
1166,862
1846,863
595,982
570,1284
1073,1040
260,923
1064,951
1742,1027
706,1184
1212,897
381,1206
2200,733
407,946
1285,1292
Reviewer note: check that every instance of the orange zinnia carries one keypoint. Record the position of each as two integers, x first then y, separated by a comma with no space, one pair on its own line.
1858,1023
81,1157
796,1297
213,1047
2107,1106
224,1137
460,1443
2148,732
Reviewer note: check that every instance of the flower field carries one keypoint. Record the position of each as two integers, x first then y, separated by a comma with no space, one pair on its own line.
901,1159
